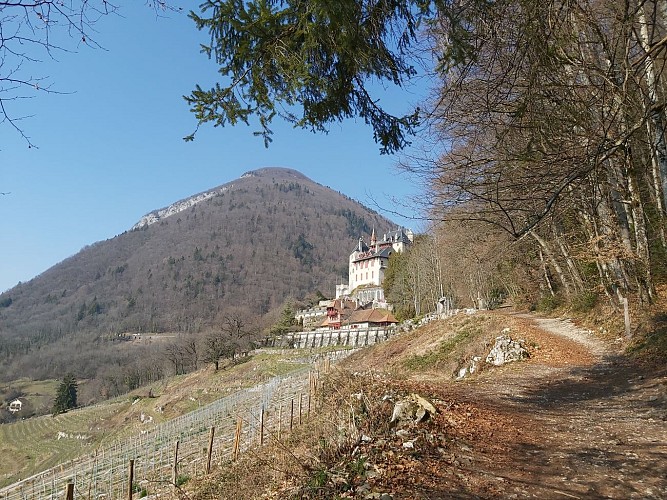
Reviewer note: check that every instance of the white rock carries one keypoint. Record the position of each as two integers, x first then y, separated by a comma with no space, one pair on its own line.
506,350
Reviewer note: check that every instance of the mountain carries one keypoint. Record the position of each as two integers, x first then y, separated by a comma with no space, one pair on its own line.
248,245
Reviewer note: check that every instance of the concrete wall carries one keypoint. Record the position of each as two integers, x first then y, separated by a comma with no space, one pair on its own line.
349,337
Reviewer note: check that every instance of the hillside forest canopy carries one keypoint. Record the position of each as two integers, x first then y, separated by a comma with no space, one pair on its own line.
193,289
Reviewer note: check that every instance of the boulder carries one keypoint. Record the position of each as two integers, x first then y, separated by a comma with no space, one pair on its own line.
414,408
506,350
470,368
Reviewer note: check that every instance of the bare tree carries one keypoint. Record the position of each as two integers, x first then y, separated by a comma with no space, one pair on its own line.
216,348
234,337
31,30
554,130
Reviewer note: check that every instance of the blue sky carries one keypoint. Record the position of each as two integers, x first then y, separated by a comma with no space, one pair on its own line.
110,150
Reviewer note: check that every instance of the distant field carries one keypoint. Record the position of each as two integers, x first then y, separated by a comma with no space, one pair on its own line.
37,396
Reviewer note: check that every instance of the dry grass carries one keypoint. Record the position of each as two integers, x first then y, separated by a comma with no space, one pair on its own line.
436,350
330,457
315,460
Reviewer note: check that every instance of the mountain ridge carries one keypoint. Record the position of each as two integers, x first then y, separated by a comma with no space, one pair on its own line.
183,204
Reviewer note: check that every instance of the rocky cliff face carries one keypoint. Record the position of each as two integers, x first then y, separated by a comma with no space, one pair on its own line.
179,206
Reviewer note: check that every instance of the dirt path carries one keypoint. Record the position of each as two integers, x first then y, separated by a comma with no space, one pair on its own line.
581,422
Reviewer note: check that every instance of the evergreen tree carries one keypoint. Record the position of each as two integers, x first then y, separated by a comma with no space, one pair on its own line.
285,322
320,71
397,285
66,395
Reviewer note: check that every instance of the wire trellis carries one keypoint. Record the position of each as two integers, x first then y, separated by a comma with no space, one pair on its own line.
103,474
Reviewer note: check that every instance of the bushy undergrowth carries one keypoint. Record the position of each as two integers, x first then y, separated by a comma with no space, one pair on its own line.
548,303
580,303
584,302
650,343
317,459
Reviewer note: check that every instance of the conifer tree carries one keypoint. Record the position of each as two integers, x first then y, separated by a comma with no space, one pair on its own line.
285,322
66,395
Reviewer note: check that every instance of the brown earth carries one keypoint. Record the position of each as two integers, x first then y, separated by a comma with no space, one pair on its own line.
576,420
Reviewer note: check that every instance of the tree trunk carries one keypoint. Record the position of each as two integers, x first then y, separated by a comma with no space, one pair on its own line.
656,112
577,280
546,274
657,191
645,281
552,260
617,192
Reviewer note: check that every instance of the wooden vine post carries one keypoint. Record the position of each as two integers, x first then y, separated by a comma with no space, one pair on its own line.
130,480
174,470
209,454
280,422
261,426
69,491
237,439
308,408
300,404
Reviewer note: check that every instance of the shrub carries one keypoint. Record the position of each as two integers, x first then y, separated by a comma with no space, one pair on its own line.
584,302
548,303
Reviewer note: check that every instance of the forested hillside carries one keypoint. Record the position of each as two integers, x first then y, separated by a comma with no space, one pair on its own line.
270,236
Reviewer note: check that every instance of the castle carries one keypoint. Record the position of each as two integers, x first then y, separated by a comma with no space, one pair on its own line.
367,265
356,302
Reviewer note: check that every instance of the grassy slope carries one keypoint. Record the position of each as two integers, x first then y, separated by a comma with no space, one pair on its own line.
432,353
33,444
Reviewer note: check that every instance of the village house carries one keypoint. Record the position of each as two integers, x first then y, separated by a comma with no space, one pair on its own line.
15,406
372,318
344,313
338,312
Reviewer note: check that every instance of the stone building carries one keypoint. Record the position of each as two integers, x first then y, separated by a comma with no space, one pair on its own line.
367,265
15,406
